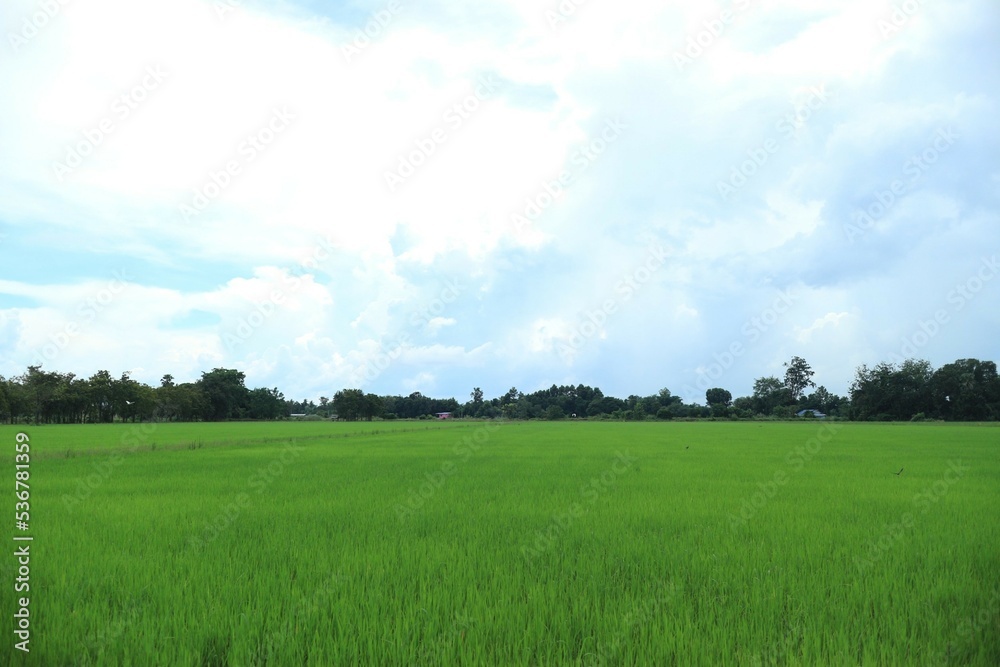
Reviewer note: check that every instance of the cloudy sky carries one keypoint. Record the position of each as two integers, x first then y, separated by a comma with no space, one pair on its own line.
431,196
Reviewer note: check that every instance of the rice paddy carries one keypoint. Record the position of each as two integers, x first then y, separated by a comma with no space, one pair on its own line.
517,543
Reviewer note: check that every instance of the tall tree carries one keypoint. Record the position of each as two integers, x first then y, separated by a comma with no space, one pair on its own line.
5,412
371,406
512,396
476,405
265,404
967,389
719,400
226,393
770,393
102,387
889,392
798,376
349,403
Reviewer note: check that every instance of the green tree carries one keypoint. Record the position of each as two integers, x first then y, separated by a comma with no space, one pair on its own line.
371,406
744,407
17,401
889,392
769,393
5,412
102,387
226,393
871,391
348,404
967,389
555,413
476,406
798,376
718,400
913,388
824,401
512,396
265,404
188,402
41,390
125,397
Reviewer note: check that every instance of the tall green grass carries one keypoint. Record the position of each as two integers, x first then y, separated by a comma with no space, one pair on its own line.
92,439
527,544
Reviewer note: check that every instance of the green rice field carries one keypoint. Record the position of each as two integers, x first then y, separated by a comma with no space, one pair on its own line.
514,543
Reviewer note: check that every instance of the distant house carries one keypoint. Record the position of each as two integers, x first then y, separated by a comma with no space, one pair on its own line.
297,415
443,415
813,413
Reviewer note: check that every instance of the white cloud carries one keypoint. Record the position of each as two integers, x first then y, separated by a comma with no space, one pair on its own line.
804,335
308,214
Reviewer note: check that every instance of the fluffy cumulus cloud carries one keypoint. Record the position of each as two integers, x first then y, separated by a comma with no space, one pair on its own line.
430,196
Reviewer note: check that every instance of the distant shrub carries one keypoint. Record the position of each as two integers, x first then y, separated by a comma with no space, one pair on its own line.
783,412
554,413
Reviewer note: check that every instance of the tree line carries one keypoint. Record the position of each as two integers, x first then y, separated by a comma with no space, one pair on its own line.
965,390
49,397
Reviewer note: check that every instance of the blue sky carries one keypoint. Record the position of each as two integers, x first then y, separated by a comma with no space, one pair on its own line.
633,195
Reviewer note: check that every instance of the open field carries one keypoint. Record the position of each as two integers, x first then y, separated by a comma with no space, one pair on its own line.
548,543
